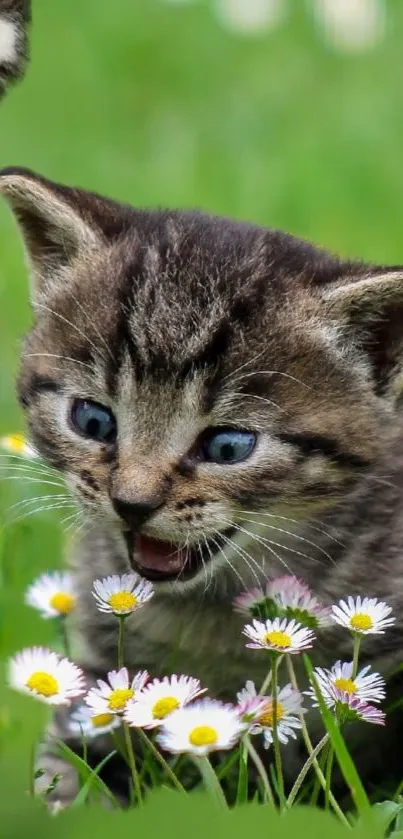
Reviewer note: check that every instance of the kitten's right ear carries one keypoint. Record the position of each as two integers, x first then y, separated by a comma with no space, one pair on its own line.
53,224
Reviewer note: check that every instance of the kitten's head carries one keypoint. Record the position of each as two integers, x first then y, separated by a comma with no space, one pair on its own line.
15,16
190,375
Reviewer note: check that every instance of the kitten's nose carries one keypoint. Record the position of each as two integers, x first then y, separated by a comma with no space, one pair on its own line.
135,513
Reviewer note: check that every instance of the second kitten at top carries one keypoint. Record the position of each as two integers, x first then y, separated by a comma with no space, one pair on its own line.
222,401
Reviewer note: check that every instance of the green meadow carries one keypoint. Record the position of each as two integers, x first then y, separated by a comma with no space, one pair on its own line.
158,104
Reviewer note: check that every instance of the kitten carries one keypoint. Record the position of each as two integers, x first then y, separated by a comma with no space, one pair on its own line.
205,383
15,16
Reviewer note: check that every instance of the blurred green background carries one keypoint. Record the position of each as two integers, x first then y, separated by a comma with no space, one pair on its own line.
175,104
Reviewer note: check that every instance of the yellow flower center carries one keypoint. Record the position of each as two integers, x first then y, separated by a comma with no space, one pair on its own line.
15,443
277,639
203,735
164,706
123,601
266,718
102,719
345,684
119,698
63,602
361,621
43,683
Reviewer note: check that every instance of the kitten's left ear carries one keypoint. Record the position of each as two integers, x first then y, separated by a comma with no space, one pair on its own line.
370,307
54,222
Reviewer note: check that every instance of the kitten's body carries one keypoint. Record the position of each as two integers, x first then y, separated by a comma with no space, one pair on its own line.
181,323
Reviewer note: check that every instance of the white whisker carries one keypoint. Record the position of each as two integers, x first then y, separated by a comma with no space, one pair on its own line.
293,521
228,561
293,536
73,326
28,501
43,508
92,324
33,480
265,542
61,358
244,555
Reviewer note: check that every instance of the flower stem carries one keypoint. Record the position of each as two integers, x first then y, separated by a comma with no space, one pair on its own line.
310,749
267,681
304,771
329,767
121,642
276,742
132,763
32,762
85,747
64,637
268,793
165,765
211,781
357,644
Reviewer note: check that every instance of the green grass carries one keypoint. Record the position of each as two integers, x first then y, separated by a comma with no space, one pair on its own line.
158,105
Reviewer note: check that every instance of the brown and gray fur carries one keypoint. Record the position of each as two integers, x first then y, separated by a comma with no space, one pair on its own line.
15,16
180,321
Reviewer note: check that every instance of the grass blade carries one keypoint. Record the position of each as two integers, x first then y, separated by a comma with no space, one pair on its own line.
344,759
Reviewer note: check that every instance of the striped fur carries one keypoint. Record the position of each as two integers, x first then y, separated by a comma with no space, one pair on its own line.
181,322
15,16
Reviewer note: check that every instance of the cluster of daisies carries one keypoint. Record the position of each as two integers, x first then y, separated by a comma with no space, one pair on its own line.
284,616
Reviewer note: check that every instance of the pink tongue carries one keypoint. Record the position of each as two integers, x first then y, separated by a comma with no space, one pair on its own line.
159,556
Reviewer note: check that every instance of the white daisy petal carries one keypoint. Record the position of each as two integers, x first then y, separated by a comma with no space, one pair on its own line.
258,712
52,594
84,723
160,698
253,603
46,676
113,696
367,687
121,595
349,708
278,635
202,727
294,599
284,597
365,616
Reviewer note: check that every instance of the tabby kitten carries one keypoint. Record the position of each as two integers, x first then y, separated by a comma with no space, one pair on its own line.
15,16
222,401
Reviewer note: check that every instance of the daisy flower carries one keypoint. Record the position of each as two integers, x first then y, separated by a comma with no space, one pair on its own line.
160,698
111,697
45,675
205,726
52,594
84,723
350,708
284,597
256,603
258,712
368,687
364,615
278,635
17,444
294,600
121,595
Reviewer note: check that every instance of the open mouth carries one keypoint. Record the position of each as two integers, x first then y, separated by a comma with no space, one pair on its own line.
157,560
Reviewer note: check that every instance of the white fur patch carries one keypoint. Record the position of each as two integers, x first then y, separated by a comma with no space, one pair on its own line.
8,41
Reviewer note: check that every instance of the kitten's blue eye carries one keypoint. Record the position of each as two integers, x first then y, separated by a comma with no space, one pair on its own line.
93,420
228,445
